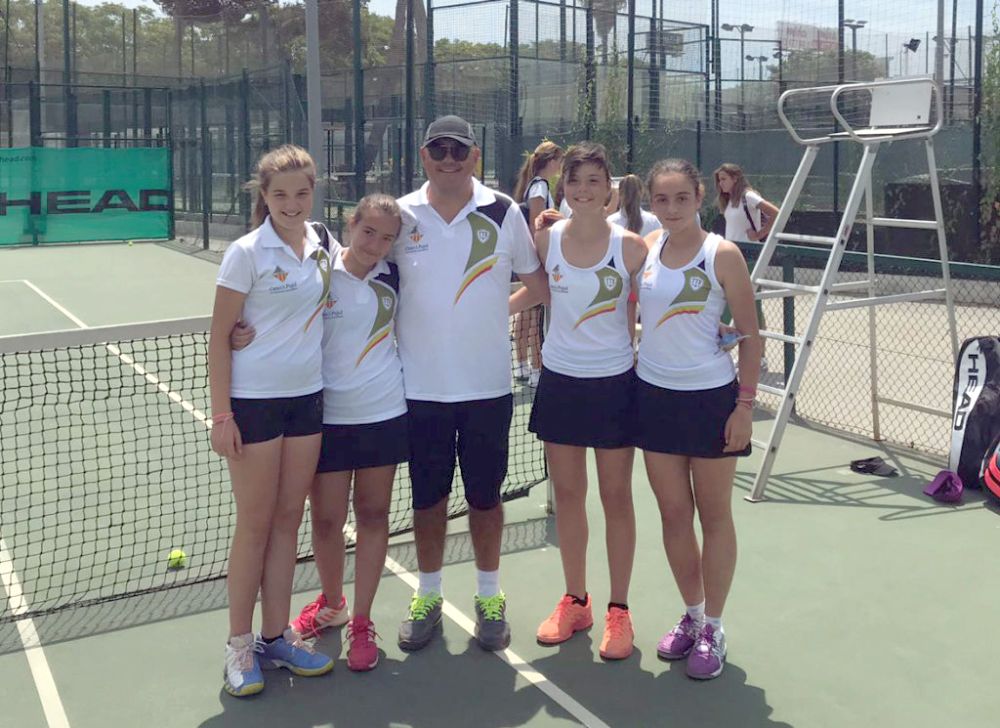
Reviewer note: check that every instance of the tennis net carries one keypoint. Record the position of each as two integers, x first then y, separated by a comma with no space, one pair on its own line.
107,467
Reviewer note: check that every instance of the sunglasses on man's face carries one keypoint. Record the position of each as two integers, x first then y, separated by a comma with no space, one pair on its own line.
438,151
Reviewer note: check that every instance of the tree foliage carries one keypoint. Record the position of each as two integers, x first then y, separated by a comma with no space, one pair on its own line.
989,205
215,29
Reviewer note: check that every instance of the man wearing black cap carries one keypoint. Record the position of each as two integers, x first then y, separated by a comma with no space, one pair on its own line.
456,251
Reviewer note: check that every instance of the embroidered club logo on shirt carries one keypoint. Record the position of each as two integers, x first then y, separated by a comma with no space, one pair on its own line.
482,255
610,285
322,258
557,274
280,274
692,298
385,300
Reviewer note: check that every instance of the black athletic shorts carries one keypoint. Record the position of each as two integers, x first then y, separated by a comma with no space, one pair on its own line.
371,445
476,431
261,420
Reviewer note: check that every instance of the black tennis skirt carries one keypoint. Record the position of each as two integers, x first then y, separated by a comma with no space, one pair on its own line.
584,412
353,447
678,422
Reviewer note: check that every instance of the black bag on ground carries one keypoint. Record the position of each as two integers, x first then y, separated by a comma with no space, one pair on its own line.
975,420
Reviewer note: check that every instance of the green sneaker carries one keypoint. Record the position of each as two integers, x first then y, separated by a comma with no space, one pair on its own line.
492,630
421,623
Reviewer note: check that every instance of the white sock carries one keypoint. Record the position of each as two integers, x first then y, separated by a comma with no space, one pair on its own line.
715,622
697,611
487,583
430,583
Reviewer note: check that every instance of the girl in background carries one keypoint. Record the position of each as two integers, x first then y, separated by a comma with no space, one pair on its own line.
539,170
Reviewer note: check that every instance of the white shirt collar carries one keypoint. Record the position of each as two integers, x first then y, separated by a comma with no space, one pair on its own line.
269,237
338,265
481,196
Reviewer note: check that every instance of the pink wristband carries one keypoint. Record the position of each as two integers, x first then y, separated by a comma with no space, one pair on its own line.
748,390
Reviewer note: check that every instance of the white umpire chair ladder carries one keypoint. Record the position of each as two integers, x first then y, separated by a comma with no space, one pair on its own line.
894,111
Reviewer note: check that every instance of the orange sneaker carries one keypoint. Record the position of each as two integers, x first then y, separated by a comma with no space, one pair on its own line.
567,618
618,635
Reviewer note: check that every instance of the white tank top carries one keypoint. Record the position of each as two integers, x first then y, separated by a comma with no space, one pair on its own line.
588,332
681,309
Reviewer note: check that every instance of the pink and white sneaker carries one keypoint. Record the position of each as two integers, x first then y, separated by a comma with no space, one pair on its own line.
362,652
319,615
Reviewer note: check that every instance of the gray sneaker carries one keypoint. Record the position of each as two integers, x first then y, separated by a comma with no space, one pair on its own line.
492,630
421,623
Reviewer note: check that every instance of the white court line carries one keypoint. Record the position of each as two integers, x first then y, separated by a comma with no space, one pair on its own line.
517,663
56,305
45,684
55,713
521,666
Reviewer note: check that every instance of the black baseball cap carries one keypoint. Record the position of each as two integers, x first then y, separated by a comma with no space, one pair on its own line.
450,127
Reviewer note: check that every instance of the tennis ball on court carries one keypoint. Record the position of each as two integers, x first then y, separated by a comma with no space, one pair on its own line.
130,243
177,559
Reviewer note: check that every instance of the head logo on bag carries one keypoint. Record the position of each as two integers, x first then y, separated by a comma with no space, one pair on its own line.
975,421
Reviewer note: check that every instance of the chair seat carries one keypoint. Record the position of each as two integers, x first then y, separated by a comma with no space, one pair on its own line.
887,131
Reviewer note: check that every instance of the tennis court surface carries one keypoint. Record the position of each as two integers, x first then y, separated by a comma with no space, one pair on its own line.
857,601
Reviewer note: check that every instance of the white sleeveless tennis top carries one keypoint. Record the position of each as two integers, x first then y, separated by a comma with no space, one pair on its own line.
588,332
681,309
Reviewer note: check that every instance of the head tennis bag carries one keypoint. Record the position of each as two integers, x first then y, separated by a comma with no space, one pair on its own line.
975,421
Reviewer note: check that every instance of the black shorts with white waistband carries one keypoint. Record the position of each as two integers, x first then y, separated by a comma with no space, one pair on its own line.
371,445
679,422
584,412
261,420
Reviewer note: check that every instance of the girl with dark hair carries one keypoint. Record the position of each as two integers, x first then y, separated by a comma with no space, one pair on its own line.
584,396
693,414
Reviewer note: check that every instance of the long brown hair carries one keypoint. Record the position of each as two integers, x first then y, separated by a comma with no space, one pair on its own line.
740,186
629,197
286,158
533,164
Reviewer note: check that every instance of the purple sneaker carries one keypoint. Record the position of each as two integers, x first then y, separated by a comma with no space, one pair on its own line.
677,643
708,656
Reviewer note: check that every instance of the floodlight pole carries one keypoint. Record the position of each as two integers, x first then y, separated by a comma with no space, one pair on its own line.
314,106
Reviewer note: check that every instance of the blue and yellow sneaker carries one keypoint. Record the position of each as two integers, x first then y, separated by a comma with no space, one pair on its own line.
291,652
242,675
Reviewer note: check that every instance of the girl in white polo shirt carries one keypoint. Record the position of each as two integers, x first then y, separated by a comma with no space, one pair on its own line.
267,408
364,425
692,413
584,396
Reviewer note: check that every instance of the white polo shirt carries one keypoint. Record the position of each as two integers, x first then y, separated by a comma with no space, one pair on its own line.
362,374
452,325
284,298
738,226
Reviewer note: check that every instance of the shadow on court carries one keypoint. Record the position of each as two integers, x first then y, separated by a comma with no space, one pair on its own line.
109,616
625,694
429,689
